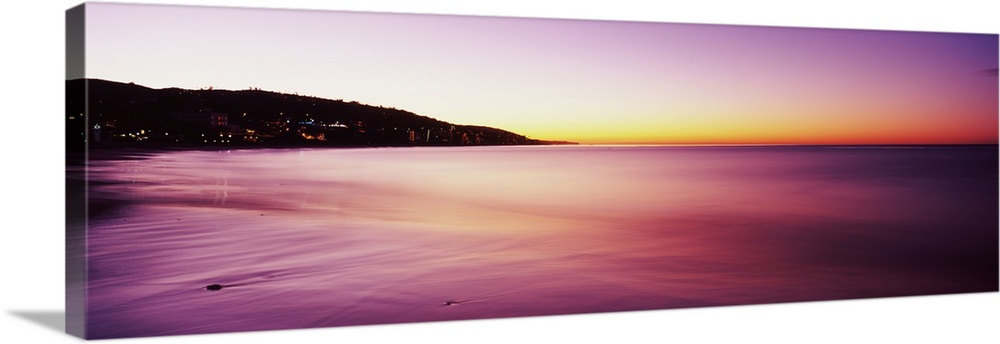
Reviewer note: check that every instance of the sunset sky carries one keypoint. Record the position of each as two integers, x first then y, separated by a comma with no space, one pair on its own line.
599,82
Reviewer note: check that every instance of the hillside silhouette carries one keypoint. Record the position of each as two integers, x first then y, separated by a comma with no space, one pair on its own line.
126,114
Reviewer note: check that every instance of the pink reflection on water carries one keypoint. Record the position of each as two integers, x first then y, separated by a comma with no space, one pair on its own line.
310,238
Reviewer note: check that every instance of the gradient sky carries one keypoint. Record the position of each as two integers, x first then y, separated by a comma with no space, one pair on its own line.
584,81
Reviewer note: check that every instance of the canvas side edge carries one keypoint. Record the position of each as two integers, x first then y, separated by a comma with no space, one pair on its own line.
76,181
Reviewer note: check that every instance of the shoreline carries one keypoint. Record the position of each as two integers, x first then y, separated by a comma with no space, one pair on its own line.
139,152
125,151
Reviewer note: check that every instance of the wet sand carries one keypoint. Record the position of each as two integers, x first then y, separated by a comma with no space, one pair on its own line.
320,237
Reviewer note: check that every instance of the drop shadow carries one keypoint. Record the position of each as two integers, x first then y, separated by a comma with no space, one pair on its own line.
54,320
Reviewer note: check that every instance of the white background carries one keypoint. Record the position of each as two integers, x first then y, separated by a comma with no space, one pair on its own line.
31,215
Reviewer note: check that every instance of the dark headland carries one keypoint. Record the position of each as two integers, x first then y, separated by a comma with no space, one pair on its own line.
126,115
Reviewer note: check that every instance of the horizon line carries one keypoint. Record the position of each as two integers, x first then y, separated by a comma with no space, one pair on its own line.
776,144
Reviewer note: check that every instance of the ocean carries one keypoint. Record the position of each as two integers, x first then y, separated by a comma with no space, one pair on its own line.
184,242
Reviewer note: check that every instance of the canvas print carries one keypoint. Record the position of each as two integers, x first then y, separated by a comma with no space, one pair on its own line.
241,169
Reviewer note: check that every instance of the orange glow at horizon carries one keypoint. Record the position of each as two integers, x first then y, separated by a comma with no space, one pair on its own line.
818,128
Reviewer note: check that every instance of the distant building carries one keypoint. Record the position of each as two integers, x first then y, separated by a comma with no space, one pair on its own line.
96,133
205,118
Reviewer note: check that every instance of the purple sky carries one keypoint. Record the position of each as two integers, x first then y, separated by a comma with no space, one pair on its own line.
585,81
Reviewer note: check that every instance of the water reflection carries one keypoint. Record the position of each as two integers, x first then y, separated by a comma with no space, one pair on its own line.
307,238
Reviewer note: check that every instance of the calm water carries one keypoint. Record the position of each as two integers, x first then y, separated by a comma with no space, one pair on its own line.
334,237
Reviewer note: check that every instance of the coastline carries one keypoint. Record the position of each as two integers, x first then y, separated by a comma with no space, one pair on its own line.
141,151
